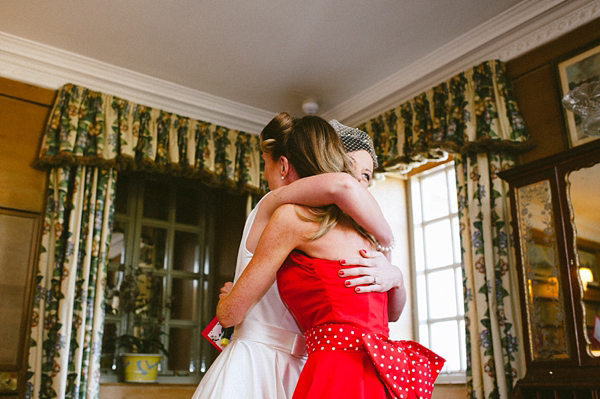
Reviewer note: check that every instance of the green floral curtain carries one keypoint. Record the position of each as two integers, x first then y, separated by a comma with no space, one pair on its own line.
492,319
90,136
473,111
474,116
92,128
68,311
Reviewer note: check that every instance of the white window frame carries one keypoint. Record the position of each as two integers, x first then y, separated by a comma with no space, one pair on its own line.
414,181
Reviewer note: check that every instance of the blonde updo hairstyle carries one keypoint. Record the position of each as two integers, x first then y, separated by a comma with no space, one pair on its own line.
313,147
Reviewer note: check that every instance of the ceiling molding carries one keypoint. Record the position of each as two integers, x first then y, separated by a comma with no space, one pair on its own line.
50,67
524,27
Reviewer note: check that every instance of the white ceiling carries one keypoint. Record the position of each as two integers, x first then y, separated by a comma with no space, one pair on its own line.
259,57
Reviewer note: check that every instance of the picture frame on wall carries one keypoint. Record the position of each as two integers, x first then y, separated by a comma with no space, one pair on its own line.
573,72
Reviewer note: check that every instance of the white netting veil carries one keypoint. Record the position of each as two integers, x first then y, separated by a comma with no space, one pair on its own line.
354,139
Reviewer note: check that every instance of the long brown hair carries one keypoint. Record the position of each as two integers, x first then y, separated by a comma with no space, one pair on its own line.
313,147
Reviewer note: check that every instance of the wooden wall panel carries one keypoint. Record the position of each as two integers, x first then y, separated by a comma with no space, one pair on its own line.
23,113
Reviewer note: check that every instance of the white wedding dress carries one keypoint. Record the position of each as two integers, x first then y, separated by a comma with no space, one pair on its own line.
267,351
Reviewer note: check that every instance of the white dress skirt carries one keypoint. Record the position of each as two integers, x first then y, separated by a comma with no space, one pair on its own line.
267,350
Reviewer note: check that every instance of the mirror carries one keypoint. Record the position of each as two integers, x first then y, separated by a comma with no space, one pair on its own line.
542,272
584,193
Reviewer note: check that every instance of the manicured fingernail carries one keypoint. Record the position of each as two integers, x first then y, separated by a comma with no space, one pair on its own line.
357,289
343,261
364,251
347,283
341,273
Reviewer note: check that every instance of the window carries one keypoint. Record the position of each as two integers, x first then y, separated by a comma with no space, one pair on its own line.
437,276
164,229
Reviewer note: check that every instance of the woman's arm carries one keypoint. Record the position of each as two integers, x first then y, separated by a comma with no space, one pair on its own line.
282,234
341,189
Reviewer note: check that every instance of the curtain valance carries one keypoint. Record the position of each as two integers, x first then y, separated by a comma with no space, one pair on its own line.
87,127
473,111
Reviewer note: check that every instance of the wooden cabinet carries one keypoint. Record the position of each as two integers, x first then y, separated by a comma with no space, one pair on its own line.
556,225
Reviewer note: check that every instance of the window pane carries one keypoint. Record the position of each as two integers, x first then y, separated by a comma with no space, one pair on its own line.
116,252
438,244
435,196
415,192
444,342
459,291
184,293
180,348
185,253
424,335
108,358
422,298
156,200
188,206
456,240
121,194
153,247
463,345
419,249
452,190
442,297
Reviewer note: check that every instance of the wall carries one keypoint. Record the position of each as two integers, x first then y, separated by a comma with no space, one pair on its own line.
537,89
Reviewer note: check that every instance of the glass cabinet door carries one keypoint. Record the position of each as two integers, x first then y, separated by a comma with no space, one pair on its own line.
542,273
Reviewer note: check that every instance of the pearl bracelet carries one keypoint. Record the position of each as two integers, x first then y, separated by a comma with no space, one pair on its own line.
381,248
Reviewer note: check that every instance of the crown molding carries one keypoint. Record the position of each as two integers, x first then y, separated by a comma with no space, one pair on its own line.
50,67
527,25
522,28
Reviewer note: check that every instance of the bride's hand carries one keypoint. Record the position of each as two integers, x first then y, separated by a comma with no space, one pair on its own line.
374,273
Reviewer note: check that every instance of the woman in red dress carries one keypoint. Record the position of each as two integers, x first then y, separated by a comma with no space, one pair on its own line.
346,332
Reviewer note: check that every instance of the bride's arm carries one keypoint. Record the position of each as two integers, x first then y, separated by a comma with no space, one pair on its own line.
341,189
282,234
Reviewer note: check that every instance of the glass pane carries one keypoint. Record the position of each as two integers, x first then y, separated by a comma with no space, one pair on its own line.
415,192
422,297
156,200
458,278
113,281
438,244
456,240
434,190
463,345
442,297
122,193
452,190
184,296
584,192
180,348
153,247
116,251
108,358
419,249
545,304
444,336
186,252
188,206
424,335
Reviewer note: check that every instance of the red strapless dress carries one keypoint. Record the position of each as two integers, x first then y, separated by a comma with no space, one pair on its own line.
349,354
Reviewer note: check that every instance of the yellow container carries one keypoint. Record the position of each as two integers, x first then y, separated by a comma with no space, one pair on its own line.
140,367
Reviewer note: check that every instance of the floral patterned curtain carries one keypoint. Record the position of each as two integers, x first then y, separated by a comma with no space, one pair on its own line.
90,136
492,318
92,128
68,311
474,116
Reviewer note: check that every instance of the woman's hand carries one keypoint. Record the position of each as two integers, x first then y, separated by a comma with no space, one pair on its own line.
376,273
225,289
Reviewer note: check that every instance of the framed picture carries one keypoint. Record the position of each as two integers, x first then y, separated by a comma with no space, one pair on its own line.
582,68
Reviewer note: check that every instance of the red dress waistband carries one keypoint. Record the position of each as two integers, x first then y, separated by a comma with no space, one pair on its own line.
407,368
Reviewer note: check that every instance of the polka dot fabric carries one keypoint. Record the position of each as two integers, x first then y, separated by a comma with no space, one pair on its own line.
407,368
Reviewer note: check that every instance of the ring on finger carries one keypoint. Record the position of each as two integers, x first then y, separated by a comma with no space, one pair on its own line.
374,279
